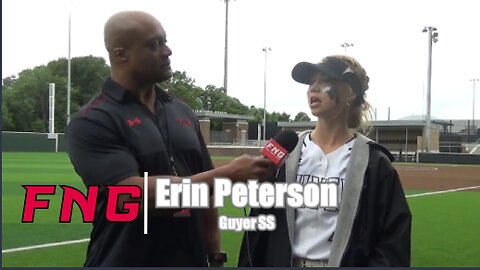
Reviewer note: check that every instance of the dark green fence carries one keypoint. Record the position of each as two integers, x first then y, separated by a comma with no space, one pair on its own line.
31,142
449,158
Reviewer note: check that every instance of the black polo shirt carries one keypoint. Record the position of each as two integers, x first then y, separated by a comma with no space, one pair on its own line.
114,137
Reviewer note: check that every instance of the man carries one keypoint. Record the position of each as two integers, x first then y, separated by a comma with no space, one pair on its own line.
132,127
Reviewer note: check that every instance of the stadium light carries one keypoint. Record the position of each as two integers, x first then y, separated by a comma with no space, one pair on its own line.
225,62
432,37
346,45
265,50
69,69
473,108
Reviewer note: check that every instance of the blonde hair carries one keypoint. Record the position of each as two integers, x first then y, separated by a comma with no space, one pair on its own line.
358,110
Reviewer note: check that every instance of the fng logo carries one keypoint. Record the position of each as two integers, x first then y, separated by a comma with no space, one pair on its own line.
87,204
275,152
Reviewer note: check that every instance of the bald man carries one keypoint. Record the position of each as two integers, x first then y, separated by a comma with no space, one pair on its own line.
132,126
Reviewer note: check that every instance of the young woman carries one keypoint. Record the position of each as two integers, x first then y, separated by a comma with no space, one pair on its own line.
371,226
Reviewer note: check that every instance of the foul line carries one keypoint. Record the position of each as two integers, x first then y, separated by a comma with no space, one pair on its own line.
412,168
46,245
88,239
440,192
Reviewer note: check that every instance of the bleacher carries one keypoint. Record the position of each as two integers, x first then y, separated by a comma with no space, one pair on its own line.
405,156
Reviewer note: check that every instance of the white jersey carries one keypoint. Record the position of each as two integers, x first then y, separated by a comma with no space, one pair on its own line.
314,228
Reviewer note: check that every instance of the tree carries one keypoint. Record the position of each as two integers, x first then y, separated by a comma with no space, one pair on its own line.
88,75
234,106
25,99
8,82
301,117
278,117
285,117
183,87
257,113
7,121
214,99
271,117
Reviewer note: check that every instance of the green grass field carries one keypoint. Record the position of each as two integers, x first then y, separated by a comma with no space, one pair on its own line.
445,226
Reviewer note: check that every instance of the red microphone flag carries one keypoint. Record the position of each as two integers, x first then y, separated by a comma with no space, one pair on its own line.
274,152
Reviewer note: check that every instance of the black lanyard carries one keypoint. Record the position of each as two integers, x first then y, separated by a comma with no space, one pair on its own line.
166,137
163,123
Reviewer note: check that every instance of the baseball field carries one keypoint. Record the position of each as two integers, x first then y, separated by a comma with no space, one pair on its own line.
444,200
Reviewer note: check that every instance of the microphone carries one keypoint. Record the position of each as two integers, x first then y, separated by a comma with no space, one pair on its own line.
278,148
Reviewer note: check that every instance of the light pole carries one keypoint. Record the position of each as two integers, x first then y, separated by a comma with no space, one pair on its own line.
265,50
69,68
432,36
473,108
346,45
225,62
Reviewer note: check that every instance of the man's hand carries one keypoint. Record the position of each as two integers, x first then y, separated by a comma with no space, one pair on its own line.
248,167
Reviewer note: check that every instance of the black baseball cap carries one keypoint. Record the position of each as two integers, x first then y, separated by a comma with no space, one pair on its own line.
333,68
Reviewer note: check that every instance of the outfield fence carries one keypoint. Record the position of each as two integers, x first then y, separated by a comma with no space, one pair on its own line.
13,141
449,158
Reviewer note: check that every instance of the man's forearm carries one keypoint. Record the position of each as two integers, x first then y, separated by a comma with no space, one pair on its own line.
212,232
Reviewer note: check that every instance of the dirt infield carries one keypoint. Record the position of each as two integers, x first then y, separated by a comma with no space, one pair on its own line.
438,177
431,177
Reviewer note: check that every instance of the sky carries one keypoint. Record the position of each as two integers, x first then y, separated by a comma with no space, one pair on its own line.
387,40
